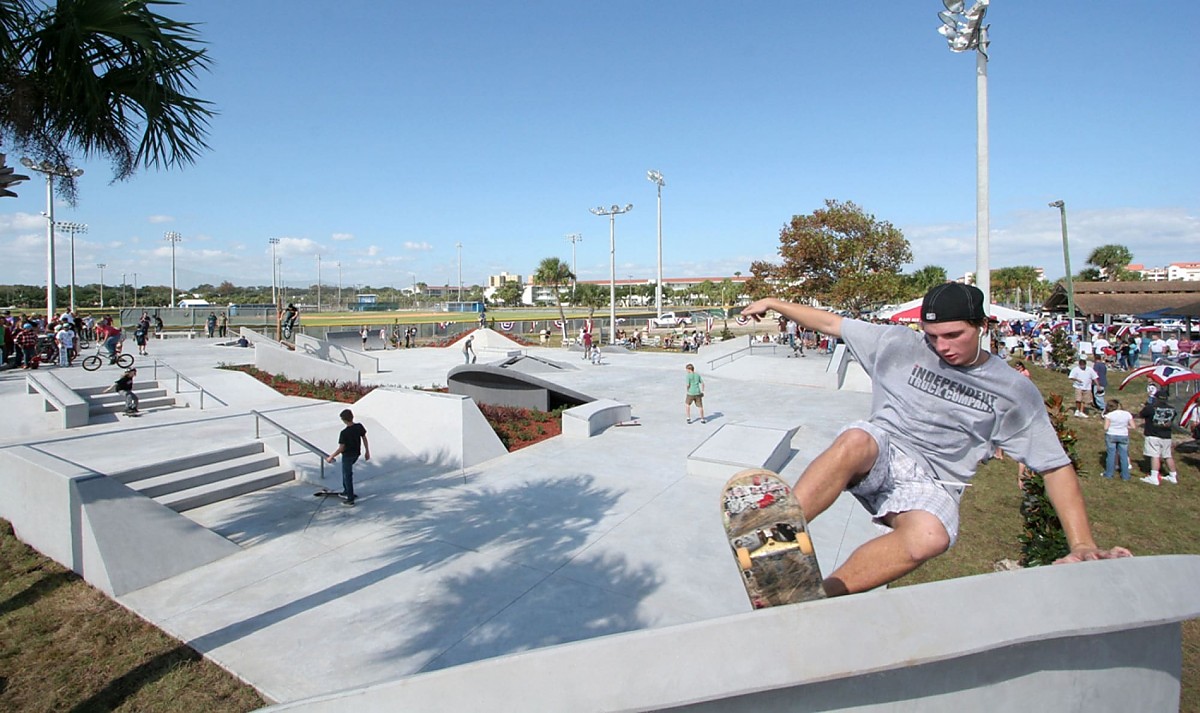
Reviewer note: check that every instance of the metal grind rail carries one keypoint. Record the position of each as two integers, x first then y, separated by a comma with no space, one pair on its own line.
291,436
181,378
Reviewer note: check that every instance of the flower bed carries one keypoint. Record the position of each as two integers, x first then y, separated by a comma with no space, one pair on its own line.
521,427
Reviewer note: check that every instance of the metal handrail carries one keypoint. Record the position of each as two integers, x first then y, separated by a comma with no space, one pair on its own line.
291,436
179,376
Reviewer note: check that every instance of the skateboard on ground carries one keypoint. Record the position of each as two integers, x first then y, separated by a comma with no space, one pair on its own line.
769,538
326,492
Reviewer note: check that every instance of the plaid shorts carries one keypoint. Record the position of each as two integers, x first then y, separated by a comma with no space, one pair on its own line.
897,483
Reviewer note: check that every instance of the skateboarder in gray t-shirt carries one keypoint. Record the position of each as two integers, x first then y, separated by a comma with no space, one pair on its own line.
940,406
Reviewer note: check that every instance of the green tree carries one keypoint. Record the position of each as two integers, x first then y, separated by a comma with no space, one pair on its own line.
1010,280
592,296
840,255
104,78
923,280
510,293
1112,260
554,273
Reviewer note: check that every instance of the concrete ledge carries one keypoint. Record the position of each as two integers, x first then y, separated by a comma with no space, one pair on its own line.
258,337
1050,638
115,538
336,353
591,418
737,446
296,365
57,396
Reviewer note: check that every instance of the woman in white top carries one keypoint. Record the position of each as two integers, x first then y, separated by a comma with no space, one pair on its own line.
1116,439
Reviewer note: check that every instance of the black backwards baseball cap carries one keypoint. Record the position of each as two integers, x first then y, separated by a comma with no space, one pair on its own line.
953,302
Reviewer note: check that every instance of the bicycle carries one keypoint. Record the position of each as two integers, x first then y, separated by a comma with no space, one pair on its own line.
96,361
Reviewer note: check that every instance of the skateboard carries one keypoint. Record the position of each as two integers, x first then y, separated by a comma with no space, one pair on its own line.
325,492
769,538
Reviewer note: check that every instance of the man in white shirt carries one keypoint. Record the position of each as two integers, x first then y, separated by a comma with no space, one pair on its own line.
1157,347
1082,377
1099,344
1172,346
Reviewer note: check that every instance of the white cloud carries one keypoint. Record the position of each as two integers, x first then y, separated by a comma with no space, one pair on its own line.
374,250
342,237
1155,236
161,219
409,245
293,247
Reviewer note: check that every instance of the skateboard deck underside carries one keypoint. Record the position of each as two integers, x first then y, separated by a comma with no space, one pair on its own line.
769,538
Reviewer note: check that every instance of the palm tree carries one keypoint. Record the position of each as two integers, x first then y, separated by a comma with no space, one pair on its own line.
554,273
1111,259
101,77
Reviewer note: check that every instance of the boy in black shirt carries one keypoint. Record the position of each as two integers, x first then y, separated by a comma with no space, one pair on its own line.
125,384
352,442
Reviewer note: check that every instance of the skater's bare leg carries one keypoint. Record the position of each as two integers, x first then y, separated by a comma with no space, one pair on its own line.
847,461
917,536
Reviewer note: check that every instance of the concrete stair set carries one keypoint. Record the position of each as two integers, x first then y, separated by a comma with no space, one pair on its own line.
149,393
204,478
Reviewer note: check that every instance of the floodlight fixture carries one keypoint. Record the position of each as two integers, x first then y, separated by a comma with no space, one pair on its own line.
612,214
50,171
656,177
964,32
172,237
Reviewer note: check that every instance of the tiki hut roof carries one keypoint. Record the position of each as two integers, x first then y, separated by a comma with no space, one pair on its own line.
1133,297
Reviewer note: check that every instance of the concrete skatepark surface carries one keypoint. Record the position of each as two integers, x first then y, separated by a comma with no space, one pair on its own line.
436,565
441,565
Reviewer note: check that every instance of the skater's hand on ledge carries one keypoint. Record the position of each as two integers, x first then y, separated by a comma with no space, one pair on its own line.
1084,554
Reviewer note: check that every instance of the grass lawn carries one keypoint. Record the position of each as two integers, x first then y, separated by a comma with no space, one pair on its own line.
66,646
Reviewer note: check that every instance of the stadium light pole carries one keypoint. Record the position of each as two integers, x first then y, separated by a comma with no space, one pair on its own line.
72,229
172,237
459,246
657,178
339,266
50,171
101,266
612,214
318,282
1062,212
574,238
274,242
965,31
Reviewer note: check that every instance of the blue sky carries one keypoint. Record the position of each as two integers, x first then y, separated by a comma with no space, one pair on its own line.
378,135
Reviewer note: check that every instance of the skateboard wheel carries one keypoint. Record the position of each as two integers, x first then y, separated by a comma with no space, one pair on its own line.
804,542
743,558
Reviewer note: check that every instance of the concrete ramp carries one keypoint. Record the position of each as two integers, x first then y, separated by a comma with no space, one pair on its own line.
114,537
1072,637
437,428
499,386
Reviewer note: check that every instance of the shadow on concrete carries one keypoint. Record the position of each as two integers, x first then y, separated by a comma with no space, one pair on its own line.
542,524
524,533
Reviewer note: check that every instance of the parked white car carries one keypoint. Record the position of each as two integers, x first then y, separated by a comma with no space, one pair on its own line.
670,319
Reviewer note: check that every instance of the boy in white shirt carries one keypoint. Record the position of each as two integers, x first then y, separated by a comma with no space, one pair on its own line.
1082,377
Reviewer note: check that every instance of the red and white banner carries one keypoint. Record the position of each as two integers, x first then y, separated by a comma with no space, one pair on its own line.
742,321
507,326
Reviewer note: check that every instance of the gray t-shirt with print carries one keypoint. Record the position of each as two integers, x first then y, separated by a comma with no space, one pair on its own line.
951,418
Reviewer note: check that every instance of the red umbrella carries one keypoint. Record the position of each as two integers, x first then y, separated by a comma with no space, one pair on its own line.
1162,374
